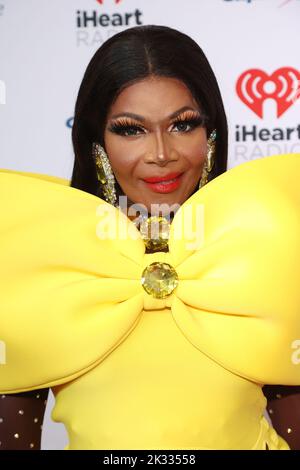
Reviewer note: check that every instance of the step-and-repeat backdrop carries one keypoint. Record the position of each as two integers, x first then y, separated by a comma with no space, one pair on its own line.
45,46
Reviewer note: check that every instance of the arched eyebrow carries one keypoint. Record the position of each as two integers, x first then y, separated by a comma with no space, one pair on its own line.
142,119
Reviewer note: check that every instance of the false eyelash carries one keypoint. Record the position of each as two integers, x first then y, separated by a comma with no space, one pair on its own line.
123,125
190,116
194,121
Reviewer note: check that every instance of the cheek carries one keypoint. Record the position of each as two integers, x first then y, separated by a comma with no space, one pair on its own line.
123,157
195,152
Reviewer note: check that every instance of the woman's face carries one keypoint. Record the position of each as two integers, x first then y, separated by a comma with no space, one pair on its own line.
155,129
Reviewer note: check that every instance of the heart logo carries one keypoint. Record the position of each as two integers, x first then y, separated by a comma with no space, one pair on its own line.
255,86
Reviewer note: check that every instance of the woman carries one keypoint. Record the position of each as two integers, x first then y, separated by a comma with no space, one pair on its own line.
131,376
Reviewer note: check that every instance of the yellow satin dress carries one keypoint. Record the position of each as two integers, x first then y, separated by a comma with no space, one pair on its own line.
131,371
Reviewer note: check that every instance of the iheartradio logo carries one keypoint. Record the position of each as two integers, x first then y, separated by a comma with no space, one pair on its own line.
255,86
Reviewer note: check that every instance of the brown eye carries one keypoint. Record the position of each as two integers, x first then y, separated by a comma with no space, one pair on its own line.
182,126
131,130
125,129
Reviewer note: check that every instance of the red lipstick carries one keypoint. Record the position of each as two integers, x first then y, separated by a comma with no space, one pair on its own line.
157,179
164,184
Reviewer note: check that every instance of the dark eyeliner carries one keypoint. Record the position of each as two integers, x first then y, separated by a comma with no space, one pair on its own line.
124,126
193,121
121,127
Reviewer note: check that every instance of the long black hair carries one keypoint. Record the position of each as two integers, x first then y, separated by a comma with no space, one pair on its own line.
126,58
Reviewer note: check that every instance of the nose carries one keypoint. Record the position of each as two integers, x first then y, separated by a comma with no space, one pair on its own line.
160,152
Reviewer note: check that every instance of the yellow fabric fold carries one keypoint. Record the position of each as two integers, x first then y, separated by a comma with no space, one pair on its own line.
71,266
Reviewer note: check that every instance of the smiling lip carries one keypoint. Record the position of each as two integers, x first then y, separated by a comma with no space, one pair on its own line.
158,179
166,186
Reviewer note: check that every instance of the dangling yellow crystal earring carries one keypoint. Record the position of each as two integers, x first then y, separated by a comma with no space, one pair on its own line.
209,162
105,174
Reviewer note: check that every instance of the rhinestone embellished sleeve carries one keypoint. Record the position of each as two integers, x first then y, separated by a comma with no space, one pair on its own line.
284,411
21,420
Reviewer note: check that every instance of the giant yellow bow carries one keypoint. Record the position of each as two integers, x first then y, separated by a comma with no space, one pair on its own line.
70,288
